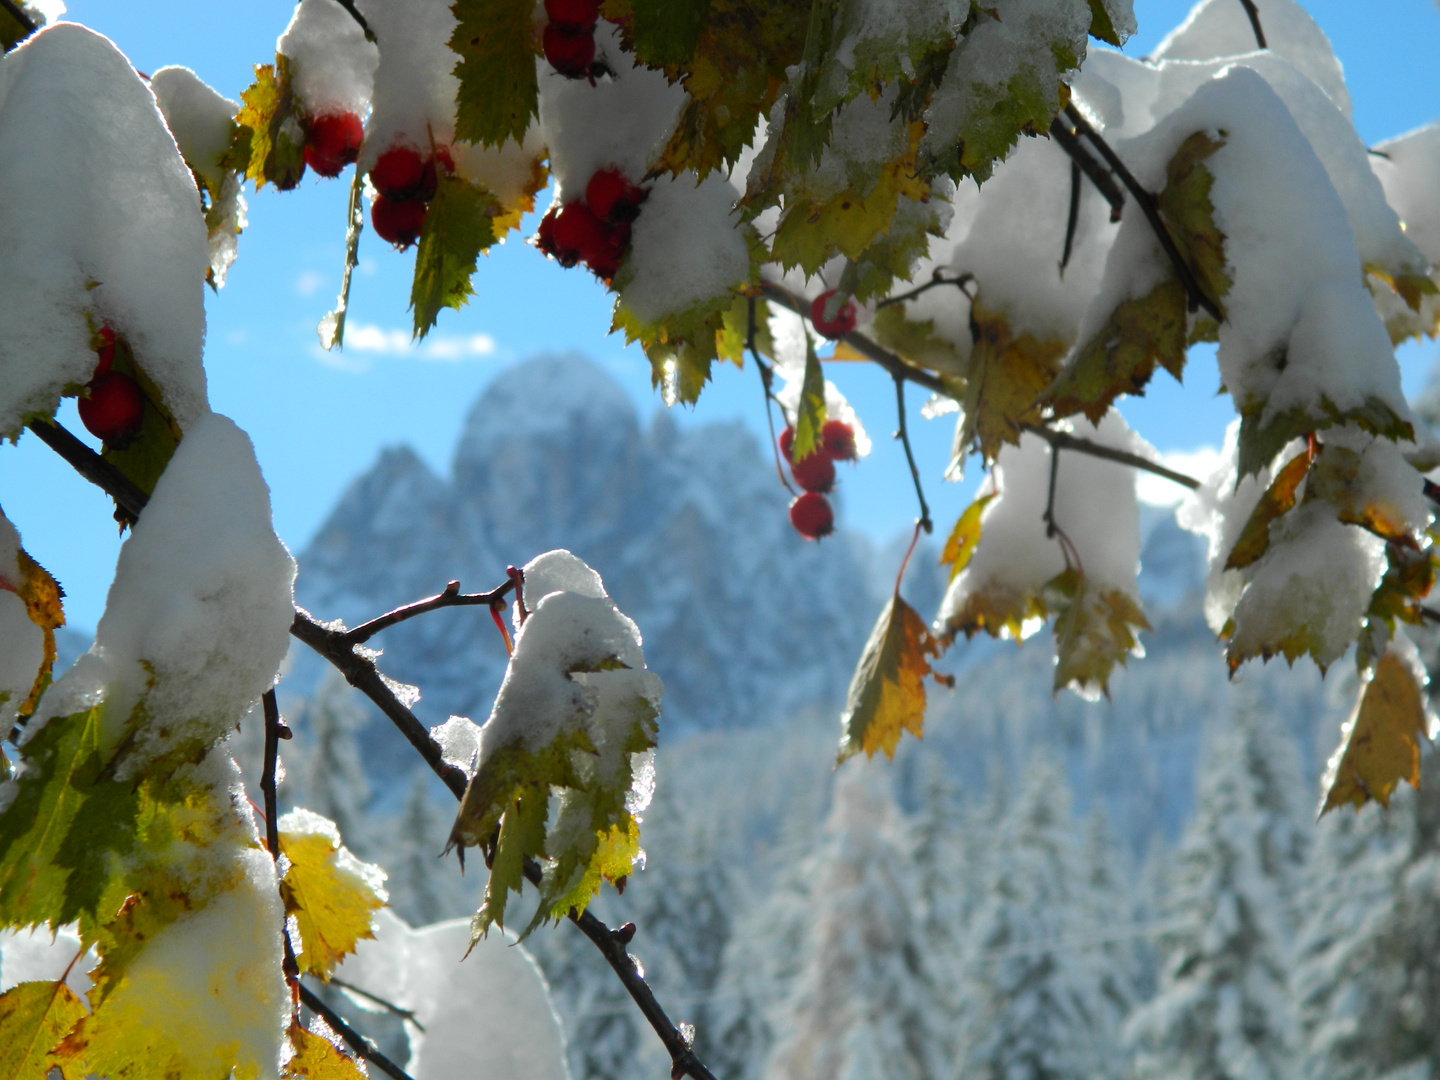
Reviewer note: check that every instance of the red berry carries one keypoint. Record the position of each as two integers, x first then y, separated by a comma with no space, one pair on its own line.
570,54
580,235
399,174
811,515
114,408
105,350
398,223
814,473
333,142
838,439
786,441
835,325
617,239
613,197
545,235
579,15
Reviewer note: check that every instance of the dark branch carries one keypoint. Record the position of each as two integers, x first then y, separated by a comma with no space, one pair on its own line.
1151,209
349,5
388,1006
353,1038
1101,177
1254,13
1063,440
16,12
1072,219
767,384
865,346
129,498
273,735
1432,491
903,434
450,597
936,278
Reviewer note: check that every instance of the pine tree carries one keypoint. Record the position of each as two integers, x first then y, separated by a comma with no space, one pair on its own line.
1033,1004
1370,977
1223,1009
863,1007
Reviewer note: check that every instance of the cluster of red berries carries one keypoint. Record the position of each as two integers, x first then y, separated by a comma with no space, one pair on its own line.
594,230
832,317
406,183
569,38
810,513
332,142
113,406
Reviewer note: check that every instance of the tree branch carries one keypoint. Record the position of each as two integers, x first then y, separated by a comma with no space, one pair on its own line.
903,434
349,5
937,277
450,597
1150,207
1254,13
353,1038
1101,177
865,346
1063,440
388,1006
129,498
16,12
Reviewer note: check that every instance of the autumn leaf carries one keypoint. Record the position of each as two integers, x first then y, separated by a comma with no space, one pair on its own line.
317,1058
810,417
1380,744
268,144
1337,478
499,95
328,892
1006,376
1185,206
1264,434
1278,499
964,537
42,596
1095,629
887,692
916,340
34,1018
1409,578
458,227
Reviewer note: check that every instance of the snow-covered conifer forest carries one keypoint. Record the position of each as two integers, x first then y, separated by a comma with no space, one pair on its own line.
806,808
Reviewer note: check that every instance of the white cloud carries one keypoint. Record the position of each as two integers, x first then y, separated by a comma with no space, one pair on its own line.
309,282
1157,491
364,342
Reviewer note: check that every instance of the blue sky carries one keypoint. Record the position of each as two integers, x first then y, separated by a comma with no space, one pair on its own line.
318,420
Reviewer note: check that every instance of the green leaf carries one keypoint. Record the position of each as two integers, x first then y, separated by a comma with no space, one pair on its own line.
34,1018
458,227
1262,436
1185,206
499,95
144,456
887,692
1102,26
1279,498
810,417
268,144
666,33
1094,630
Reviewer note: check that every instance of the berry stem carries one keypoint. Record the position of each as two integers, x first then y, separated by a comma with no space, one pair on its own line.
903,434
767,381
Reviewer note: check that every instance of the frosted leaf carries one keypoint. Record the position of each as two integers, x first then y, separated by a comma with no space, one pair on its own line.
1408,168
332,67
198,117
22,651
100,215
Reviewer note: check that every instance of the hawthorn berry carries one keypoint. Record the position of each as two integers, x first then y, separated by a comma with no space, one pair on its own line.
814,473
838,439
105,350
617,239
114,407
398,222
612,196
575,15
399,174
545,237
786,441
570,54
811,516
832,317
332,142
580,235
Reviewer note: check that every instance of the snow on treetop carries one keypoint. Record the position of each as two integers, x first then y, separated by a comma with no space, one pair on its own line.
332,65
197,620
100,216
1217,28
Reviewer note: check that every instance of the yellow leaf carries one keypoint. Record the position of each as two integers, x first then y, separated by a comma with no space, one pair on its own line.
42,595
914,339
887,693
1409,577
810,415
960,544
1003,383
328,891
34,1018
1279,497
1337,479
1380,744
317,1058
268,142
1186,207
1095,630
1001,610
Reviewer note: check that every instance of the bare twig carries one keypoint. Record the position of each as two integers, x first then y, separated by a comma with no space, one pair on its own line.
937,277
1432,490
767,384
1150,208
388,1006
450,597
1063,440
1100,176
903,434
267,774
1254,13
16,12
865,346
129,498
349,5
1072,219
353,1039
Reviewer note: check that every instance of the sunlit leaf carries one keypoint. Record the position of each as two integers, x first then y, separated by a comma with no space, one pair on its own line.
34,1018
329,893
1279,497
458,227
1006,376
887,691
1095,629
1380,744
499,96
964,537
